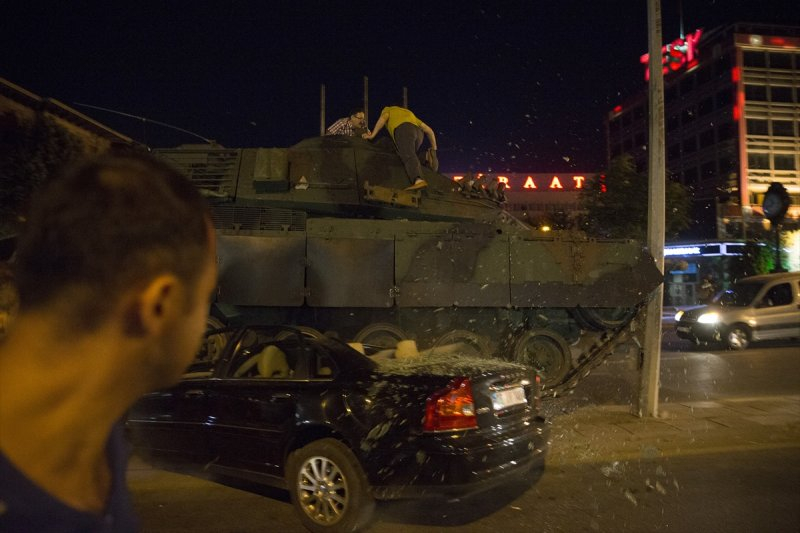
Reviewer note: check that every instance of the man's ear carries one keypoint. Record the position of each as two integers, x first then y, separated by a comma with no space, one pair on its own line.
156,305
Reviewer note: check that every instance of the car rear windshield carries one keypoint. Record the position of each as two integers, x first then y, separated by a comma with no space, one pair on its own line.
740,295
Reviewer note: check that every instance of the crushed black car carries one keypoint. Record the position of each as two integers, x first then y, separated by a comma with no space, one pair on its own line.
340,429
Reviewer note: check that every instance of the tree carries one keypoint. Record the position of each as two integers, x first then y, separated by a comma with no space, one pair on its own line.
614,204
31,153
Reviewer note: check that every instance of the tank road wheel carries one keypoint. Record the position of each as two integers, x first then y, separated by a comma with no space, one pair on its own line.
603,318
381,335
738,337
476,345
328,487
546,351
304,330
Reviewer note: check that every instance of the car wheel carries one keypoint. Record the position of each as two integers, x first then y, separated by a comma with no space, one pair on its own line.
328,487
475,345
738,337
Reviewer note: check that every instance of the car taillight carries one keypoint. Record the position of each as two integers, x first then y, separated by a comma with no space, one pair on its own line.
451,408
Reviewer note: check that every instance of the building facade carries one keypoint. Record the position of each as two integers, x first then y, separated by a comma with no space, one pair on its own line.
732,121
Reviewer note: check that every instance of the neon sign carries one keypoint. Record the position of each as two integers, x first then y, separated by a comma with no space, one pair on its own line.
533,182
680,54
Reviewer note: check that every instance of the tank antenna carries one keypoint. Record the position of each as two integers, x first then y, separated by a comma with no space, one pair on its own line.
145,120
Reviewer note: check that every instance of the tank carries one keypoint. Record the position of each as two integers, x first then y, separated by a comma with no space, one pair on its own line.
323,236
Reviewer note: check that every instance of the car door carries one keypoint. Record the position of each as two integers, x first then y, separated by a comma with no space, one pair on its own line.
252,415
777,313
173,421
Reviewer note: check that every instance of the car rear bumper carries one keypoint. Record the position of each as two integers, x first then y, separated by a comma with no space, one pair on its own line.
462,471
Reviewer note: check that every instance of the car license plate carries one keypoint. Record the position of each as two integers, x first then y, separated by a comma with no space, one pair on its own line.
683,329
503,399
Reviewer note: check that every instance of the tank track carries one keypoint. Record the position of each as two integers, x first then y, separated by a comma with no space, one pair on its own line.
597,353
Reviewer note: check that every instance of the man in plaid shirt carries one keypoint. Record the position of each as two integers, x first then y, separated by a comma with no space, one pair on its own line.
351,126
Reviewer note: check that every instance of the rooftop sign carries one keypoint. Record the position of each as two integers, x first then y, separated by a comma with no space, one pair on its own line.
680,54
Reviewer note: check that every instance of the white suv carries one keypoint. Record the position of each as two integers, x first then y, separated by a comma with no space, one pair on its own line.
756,308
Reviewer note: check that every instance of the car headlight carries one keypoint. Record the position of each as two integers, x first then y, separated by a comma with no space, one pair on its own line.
678,316
708,318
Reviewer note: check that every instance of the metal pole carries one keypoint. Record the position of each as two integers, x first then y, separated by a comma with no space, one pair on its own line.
322,110
648,390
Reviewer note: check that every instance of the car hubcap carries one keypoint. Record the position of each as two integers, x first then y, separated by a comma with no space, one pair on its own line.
322,490
737,339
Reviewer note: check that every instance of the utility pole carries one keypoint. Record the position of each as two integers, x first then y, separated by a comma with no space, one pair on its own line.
366,101
322,110
651,365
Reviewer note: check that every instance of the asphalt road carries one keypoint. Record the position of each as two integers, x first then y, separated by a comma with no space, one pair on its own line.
755,491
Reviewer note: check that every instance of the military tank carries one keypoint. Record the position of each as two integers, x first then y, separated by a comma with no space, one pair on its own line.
323,236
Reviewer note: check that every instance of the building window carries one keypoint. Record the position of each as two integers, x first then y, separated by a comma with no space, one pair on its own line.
780,60
757,126
755,59
674,151
708,171
706,138
784,161
687,84
690,176
725,131
781,94
689,145
704,75
755,93
758,161
724,98
782,128
673,121
688,115
705,106
671,93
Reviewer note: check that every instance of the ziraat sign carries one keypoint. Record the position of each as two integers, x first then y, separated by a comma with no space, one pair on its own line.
680,54
533,182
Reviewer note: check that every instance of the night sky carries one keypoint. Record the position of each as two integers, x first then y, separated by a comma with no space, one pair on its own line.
506,85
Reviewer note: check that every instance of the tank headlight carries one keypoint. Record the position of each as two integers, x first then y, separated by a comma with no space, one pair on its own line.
708,318
678,316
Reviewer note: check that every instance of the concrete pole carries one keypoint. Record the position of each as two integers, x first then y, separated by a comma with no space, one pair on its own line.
322,110
648,390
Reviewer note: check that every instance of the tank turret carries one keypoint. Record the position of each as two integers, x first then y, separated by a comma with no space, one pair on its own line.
323,235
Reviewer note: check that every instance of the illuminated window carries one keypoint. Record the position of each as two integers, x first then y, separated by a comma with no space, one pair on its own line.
784,161
782,128
758,161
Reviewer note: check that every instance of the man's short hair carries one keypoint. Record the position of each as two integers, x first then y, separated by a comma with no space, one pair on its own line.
356,110
108,225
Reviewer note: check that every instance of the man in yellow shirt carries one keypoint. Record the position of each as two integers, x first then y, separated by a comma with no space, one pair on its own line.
406,130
